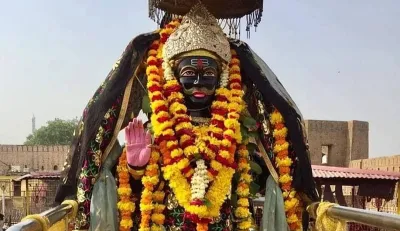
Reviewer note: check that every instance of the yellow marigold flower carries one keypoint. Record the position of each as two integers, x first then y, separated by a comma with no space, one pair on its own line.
171,83
151,69
184,138
150,180
171,143
285,162
243,153
184,125
276,118
168,171
292,218
152,83
174,96
183,163
291,204
280,133
158,208
158,196
234,115
244,202
161,129
159,51
158,103
236,96
124,191
237,100
226,143
224,154
229,132
218,117
153,77
219,189
189,173
215,129
234,69
219,104
242,212
176,153
244,166
146,207
126,206
238,136
152,52
223,91
200,210
285,194
158,218
285,179
214,141
235,61
209,153
168,132
235,77
126,223
244,225
243,192
246,177
292,194
190,150
155,227
155,156
167,31
279,148
216,165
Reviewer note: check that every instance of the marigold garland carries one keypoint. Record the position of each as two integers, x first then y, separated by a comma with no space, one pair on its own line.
215,143
242,211
125,206
283,164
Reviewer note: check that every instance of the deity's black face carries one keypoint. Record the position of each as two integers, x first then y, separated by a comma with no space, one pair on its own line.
199,77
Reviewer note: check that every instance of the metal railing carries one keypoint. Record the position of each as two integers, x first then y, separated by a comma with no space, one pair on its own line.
51,216
371,218
361,216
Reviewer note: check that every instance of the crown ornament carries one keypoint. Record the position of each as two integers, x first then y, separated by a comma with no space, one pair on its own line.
199,30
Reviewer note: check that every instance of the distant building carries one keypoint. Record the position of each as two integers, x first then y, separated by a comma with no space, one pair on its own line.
21,159
337,143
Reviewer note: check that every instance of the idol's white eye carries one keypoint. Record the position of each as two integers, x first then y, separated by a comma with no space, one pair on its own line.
188,73
209,73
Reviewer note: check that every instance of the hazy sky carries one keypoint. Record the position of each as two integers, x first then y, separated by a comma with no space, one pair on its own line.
339,60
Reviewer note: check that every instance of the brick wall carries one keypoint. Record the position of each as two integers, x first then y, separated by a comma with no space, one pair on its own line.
388,163
346,141
36,158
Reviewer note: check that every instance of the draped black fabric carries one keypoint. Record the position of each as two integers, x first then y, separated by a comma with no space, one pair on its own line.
115,85
265,80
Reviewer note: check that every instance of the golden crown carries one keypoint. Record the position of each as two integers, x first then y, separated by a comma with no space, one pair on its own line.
199,30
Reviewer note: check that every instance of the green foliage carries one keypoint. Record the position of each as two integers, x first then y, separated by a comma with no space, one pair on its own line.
56,132
248,127
146,104
254,189
255,167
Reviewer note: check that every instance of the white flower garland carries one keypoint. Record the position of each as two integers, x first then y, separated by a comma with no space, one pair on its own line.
224,76
199,181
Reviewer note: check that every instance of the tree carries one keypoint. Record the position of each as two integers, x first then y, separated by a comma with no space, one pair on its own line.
56,132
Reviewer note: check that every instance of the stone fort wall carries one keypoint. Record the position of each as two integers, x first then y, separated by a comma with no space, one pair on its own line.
387,163
32,158
342,141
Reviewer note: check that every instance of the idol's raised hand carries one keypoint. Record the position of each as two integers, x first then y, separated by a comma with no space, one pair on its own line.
137,144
